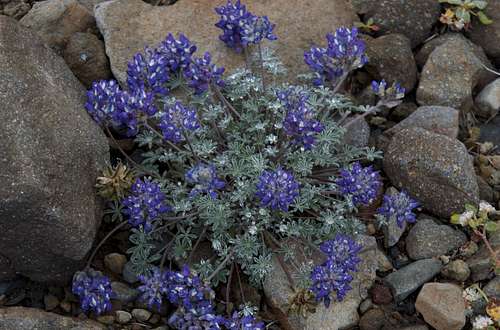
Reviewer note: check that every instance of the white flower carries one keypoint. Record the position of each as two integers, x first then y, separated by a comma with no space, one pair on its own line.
481,322
471,294
465,217
485,207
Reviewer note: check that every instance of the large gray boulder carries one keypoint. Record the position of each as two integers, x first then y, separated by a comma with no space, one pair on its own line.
129,25
51,154
435,169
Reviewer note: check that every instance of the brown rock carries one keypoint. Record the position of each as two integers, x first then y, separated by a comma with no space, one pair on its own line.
374,319
433,168
442,306
15,8
56,21
21,318
52,153
129,25
86,57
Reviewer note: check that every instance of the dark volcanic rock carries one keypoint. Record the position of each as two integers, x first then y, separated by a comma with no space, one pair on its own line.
51,155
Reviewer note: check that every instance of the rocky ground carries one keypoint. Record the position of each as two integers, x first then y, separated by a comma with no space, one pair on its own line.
441,145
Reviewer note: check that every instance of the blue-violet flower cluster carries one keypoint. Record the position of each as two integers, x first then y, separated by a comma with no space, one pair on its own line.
177,120
277,189
388,95
153,288
205,180
362,184
399,207
299,121
242,28
94,291
345,52
145,204
334,275
243,322
202,72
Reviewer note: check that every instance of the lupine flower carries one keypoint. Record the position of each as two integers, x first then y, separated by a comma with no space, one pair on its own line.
205,180
199,319
145,205
481,322
201,73
334,275
177,52
243,322
137,104
344,53
153,287
257,29
187,290
399,207
102,100
299,122
362,184
240,27
176,119
389,96
148,72
277,189
94,291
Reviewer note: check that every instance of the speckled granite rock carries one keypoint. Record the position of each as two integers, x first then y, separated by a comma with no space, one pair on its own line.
433,168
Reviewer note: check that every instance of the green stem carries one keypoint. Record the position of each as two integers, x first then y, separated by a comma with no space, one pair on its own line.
114,230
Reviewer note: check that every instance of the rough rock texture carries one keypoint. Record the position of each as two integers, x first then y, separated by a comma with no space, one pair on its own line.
15,8
434,168
480,263
86,57
340,315
90,4
412,18
492,289
442,306
24,318
437,119
51,155
456,270
488,36
56,21
453,70
428,239
391,58
488,100
358,134
129,25
407,280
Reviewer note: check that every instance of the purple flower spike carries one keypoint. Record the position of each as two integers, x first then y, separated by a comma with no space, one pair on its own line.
362,184
201,73
243,322
94,291
145,205
148,72
205,180
177,119
399,207
153,287
177,52
334,275
102,100
390,96
277,189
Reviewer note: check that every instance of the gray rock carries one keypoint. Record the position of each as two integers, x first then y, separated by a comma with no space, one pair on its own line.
339,315
391,58
90,4
357,134
442,306
487,36
403,110
86,57
486,192
437,119
141,315
24,318
433,168
490,132
453,70
384,264
488,100
128,275
456,270
428,239
407,280
15,8
480,263
492,289
374,319
414,19
55,21
124,37
115,262
123,292
52,153
123,317
366,305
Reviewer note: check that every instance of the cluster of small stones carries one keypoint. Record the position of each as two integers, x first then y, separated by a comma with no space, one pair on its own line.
445,77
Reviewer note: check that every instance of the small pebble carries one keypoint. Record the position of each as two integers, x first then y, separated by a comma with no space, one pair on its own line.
115,262
381,295
123,317
128,274
106,319
469,249
365,305
123,292
65,306
456,270
155,319
50,302
141,314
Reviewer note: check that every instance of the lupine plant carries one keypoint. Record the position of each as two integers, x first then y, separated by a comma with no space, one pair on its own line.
246,164
459,13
